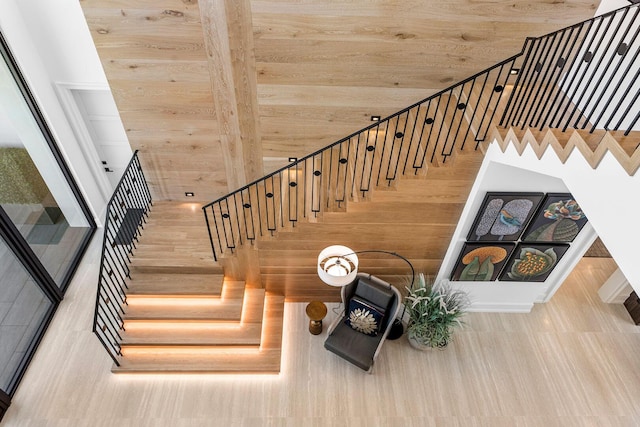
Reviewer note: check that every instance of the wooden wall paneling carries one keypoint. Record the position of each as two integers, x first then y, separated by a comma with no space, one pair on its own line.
416,219
296,75
161,87
229,40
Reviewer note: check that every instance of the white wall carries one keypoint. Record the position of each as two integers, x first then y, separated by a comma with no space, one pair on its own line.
609,5
608,196
495,175
51,43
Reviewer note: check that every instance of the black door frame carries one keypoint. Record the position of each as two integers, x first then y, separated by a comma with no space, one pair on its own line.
5,401
20,247
57,154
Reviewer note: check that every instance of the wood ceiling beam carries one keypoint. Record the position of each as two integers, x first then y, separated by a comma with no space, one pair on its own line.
228,37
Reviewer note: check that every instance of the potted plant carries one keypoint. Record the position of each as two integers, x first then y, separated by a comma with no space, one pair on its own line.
434,311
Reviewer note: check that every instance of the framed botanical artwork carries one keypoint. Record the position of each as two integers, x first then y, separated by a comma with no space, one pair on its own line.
481,262
504,216
559,219
533,262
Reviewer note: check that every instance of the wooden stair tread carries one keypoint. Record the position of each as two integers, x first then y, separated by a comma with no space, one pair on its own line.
168,266
175,284
227,307
244,334
174,240
226,362
189,313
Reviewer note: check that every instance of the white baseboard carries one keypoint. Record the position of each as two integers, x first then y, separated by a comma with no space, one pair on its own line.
501,307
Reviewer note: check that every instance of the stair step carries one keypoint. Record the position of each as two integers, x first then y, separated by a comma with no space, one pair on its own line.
184,309
229,361
245,334
169,232
175,284
170,266
215,359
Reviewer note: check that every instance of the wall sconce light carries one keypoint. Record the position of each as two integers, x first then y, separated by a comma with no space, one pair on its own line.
375,118
514,71
189,194
293,159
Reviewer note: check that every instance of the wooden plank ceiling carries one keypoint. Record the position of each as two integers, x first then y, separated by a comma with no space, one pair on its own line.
218,92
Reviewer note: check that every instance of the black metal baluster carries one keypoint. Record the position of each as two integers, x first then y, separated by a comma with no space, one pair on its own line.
435,145
536,74
460,108
574,98
413,133
626,91
384,146
597,68
293,188
612,56
424,148
572,70
607,86
316,188
401,136
355,165
549,65
520,85
217,227
474,110
555,68
442,123
497,89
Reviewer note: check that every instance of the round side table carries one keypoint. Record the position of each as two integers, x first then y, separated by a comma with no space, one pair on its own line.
316,310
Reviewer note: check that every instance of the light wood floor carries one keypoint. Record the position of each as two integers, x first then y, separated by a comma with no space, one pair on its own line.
571,362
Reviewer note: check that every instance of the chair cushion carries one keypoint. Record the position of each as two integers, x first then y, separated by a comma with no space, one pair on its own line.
364,316
353,346
372,292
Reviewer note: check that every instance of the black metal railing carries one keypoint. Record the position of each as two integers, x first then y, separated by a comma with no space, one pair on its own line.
581,77
126,214
558,80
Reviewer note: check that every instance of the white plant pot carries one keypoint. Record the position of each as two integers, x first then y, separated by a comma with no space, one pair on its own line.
418,345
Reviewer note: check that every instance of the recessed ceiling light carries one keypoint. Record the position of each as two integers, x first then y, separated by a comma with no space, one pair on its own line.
514,71
375,118
293,159
189,194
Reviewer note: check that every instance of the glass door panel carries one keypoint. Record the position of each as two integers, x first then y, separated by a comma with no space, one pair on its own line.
24,309
33,190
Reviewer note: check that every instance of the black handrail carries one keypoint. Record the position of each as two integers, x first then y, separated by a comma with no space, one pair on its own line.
127,211
546,85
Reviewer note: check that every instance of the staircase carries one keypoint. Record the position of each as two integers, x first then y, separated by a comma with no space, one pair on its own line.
182,315
400,183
